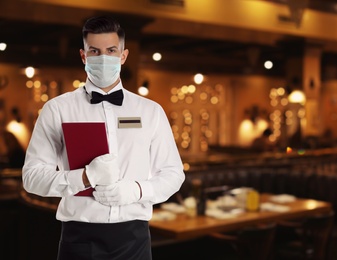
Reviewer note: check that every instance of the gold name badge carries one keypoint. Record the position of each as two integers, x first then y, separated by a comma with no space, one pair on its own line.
129,122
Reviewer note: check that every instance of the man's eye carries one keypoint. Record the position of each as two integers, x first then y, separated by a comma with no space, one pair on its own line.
112,51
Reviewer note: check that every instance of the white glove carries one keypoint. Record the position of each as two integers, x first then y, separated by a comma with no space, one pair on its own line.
120,193
103,170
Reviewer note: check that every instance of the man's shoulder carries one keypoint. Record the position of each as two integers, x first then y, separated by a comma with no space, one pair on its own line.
137,99
69,96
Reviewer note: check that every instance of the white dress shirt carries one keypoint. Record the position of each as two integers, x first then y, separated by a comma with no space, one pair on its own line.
147,155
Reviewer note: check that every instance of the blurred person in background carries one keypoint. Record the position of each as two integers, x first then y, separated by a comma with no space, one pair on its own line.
12,155
262,143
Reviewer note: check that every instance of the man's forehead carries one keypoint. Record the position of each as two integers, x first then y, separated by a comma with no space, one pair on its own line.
102,39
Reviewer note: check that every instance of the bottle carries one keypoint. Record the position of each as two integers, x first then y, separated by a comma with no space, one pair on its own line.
199,195
253,200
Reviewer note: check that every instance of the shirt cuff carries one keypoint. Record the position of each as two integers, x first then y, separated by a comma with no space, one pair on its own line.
75,180
147,191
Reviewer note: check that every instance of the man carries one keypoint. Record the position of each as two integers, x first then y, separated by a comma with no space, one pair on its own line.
143,166
12,154
262,143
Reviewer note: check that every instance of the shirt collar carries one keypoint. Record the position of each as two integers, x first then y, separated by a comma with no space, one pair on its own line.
89,87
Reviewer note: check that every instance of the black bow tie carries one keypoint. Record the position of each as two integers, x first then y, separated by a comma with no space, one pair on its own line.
115,98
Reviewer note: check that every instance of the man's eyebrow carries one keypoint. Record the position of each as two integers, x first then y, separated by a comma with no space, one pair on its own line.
92,47
98,49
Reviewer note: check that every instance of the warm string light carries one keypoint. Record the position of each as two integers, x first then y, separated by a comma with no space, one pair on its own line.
185,116
284,111
279,101
77,83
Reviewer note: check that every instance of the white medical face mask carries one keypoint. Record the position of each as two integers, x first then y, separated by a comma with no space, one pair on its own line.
103,70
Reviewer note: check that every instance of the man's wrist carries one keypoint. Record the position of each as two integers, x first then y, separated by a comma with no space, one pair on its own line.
85,179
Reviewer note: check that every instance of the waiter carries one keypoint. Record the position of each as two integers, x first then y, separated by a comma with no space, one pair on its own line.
142,168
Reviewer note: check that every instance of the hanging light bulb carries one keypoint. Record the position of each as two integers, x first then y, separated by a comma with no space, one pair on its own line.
268,64
144,88
156,56
198,78
3,46
30,72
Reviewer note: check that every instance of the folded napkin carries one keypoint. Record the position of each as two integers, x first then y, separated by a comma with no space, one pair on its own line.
163,216
173,207
228,201
222,202
267,206
283,198
218,214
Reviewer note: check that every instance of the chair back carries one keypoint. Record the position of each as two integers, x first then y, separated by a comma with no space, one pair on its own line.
316,234
256,242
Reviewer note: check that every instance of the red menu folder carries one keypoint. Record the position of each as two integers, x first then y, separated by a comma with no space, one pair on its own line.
84,141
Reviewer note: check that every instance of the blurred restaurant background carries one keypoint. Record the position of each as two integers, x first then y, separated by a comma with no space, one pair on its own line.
249,87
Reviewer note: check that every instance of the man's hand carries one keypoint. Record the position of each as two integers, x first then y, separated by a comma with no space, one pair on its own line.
103,170
120,193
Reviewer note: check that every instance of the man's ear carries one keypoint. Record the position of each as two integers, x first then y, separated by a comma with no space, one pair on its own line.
124,56
82,54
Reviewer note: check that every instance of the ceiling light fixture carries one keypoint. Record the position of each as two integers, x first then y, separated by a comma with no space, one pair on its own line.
156,56
144,88
198,78
3,46
30,72
297,96
268,64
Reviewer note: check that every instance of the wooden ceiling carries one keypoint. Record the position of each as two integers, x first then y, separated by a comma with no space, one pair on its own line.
219,49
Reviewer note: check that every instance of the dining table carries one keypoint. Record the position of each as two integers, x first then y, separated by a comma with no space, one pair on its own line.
183,226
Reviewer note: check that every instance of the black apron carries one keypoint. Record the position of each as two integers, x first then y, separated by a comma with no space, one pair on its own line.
113,241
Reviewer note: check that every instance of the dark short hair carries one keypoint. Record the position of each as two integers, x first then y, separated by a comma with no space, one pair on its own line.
267,132
103,24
